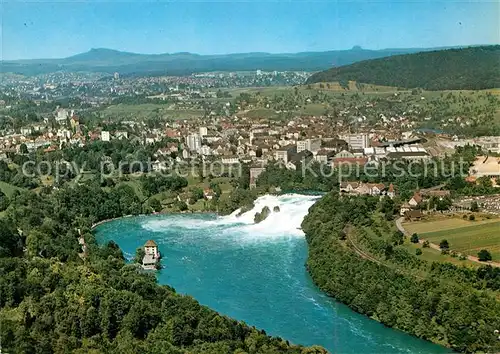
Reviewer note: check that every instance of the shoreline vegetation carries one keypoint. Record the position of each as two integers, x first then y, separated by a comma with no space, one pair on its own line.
452,306
118,307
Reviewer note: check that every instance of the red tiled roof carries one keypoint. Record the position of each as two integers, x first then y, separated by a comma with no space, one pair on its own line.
380,186
470,179
417,197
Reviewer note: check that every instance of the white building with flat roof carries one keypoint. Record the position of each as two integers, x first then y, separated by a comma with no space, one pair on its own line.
357,141
105,135
312,145
193,141
203,131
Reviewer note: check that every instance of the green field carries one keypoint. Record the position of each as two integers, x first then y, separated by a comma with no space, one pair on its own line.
470,239
332,87
432,255
262,113
446,222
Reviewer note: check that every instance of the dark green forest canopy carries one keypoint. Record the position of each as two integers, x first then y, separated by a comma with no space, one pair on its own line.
443,303
54,300
473,68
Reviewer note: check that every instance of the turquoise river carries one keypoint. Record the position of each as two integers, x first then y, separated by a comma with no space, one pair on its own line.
255,273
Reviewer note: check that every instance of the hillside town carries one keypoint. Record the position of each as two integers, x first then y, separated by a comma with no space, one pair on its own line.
222,120
231,140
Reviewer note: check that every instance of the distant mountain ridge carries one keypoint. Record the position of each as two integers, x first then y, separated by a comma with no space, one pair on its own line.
183,63
472,68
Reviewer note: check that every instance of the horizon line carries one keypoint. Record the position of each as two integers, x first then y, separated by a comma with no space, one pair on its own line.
443,47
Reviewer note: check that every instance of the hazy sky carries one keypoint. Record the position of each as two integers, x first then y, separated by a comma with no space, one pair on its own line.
53,29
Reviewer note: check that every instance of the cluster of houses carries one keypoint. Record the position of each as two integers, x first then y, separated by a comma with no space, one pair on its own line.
229,139
260,143
267,143
411,209
360,188
231,143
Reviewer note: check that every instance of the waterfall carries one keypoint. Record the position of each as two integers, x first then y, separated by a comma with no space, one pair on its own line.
285,223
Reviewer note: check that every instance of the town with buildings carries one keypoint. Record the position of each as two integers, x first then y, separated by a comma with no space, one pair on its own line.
231,177
253,119
253,127
251,140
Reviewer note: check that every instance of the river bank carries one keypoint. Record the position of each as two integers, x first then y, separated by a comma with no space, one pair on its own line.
202,252
151,214
437,304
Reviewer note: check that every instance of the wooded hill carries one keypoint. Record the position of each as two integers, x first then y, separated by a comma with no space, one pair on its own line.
472,68
55,299
108,61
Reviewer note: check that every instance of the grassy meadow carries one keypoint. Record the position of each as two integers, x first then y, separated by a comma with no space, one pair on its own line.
468,237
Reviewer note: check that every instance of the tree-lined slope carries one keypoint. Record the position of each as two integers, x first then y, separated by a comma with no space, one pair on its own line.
471,68
353,260
56,299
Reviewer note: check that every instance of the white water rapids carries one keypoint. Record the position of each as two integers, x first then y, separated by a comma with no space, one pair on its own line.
285,223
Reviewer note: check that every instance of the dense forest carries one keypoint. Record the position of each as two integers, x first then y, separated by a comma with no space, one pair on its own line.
449,305
473,68
56,298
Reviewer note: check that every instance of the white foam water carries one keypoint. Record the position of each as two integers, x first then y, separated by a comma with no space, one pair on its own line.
283,223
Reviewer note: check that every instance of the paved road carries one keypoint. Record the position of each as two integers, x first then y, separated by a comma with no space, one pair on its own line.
399,225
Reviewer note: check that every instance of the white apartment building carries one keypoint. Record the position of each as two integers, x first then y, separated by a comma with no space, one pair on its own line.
61,115
63,133
105,135
313,145
229,160
489,143
193,141
203,131
284,153
357,141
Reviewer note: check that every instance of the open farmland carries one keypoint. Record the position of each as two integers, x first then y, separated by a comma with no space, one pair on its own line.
464,236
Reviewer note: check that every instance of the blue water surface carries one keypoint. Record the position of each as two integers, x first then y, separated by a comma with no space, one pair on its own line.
256,273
